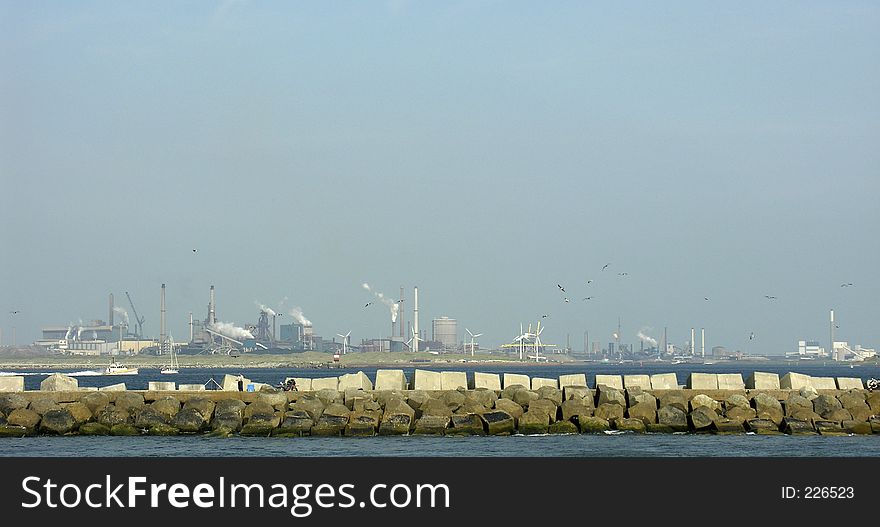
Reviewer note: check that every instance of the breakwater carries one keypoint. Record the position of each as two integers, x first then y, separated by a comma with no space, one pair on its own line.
449,403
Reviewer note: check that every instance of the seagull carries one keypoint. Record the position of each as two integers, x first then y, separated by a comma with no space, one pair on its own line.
544,316
195,251
567,300
605,266
752,335
706,298
588,298
848,284
368,304
768,297
589,282
13,312
560,288
622,274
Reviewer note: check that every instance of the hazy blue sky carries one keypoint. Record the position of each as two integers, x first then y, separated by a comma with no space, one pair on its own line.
483,151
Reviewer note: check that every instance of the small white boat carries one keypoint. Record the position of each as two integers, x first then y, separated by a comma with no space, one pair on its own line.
119,369
174,367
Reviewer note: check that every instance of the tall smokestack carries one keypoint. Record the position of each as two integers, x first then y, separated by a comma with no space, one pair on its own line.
111,310
831,330
190,326
401,312
416,320
703,345
693,349
211,314
162,321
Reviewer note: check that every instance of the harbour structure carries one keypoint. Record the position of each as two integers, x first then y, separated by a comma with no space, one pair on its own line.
445,332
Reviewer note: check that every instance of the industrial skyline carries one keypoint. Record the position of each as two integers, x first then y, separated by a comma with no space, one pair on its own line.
664,164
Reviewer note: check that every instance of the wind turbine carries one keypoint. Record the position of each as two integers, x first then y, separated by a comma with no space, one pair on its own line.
344,341
414,339
522,338
537,342
472,339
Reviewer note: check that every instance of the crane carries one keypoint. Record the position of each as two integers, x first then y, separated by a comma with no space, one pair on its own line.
138,320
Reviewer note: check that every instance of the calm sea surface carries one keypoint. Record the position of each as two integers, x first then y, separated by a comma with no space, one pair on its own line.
605,445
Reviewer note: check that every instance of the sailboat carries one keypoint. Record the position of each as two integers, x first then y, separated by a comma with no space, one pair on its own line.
174,367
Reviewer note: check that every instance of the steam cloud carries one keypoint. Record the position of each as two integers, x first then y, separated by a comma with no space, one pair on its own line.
122,312
231,330
645,338
393,306
268,310
297,313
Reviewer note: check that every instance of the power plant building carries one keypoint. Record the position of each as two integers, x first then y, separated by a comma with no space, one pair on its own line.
445,331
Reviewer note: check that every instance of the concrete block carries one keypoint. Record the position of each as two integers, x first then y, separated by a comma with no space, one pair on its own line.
795,381
59,383
612,381
191,388
120,387
515,378
731,381
155,386
664,381
702,381
426,380
575,379
390,380
235,383
358,381
849,383
763,381
12,384
637,381
453,380
491,381
328,383
538,382
824,383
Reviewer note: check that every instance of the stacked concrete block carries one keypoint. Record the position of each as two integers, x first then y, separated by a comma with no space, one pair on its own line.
612,381
325,383
702,381
389,380
453,380
538,382
730,381
664,381
490,381
427,380
637,381
576,379
511,379
795,381
763,381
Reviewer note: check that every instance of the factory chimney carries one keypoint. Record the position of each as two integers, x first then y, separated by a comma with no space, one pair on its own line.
400,316
693,349
190,326
831,330
211,313
416,334
162,321
111,310
703,345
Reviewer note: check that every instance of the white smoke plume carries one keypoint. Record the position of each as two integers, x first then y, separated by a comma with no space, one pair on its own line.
645,338
230,330
268,310
297,313
393,306
118,310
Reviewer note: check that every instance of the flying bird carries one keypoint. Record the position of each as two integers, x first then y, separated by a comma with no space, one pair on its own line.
368,304
848,284
622,274
588,298
589,282
605,266
195,251
768,297
706,298
544,316
567,300
560,288
13,312
752,335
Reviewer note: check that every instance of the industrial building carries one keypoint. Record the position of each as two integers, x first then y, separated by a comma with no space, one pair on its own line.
445,333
